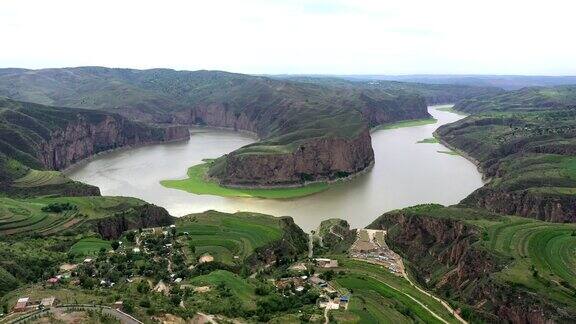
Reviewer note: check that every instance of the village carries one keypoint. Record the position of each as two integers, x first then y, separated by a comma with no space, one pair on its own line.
160,254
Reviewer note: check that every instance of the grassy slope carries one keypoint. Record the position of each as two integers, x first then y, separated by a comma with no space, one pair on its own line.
385,296
24,216
534,98
227,235
197,183
90,246
523,246
407,123
523,140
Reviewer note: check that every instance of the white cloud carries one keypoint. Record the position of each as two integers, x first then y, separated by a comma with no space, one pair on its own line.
339,37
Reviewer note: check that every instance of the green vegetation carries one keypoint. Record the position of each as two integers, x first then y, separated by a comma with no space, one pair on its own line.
430,140
236,285
36,178
197,183
47,216
526,152
226,236
526,99
450,108
380,296
514,255
407,123
448,152
90,246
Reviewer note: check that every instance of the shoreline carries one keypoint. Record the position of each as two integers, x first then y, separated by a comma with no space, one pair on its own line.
67,170
465,155
296,185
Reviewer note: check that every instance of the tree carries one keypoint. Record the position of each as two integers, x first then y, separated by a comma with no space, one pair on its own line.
115,245
131,236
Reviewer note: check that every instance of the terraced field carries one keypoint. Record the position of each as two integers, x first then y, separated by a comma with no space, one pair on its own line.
544,255
25,216
225,236
37,178
381,297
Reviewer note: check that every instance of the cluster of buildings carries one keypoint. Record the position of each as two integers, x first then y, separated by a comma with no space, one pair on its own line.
370,246
25,303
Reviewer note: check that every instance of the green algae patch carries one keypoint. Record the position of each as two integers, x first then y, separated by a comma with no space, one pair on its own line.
199,184
430,140
448,152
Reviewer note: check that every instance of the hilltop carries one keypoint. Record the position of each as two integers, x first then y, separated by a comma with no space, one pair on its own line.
308,132
525,142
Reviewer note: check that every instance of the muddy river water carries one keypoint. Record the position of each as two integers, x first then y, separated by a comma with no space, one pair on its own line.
405,174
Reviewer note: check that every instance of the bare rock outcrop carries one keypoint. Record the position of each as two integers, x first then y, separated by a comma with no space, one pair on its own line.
83,138
326,158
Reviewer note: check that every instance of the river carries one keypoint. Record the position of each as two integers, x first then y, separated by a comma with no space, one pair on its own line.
405,174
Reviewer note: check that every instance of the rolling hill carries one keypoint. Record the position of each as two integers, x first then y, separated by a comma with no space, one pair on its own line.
307,131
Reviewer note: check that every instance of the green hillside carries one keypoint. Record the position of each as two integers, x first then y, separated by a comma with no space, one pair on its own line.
533,98
529,155
230,238
504,257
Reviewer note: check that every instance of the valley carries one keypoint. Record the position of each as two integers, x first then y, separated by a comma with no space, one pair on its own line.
405,173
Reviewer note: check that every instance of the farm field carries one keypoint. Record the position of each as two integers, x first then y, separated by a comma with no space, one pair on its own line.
197,183
37,178
25,216
379,296
225,236
90,246
543,254
238,286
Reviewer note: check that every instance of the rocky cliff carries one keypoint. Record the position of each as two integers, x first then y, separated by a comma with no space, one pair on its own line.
446,256
548,206
294,243
144,216
216,115
319,159
84,138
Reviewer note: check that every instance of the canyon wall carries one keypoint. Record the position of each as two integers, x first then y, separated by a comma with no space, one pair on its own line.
83,138
315,159
144,216
547,206
318,159
447,258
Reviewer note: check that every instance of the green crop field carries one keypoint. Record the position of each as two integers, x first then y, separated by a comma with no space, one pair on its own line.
227,235
198,184
407,123
544,255
239,287
36,178
380,296
90,246
19,216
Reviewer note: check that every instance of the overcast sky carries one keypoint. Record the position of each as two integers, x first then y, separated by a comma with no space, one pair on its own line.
317,37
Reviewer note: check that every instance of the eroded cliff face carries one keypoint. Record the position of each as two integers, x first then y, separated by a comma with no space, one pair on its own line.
144,216
318,159
559,208
215,115
447,258
83,138
377,112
